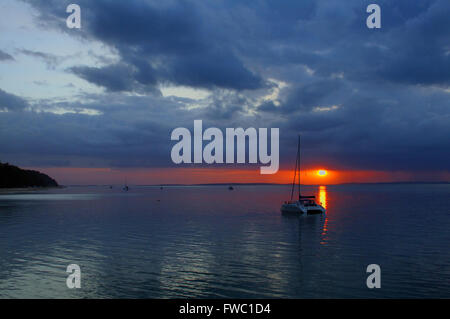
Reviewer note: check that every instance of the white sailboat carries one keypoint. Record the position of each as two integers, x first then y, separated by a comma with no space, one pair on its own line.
304,204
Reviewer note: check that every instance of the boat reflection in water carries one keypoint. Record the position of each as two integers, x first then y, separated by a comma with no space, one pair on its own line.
313,229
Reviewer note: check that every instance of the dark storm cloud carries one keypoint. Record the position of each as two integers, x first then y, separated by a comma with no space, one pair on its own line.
420,49
204,44
117,135
115,78
170,42
390,129
131,131
362,99
5,56
10,102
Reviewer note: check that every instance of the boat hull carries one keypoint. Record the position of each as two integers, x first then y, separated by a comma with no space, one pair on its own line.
297,208
293,209
315,210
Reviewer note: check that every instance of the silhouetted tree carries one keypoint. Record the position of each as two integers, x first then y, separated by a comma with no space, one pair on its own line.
14,177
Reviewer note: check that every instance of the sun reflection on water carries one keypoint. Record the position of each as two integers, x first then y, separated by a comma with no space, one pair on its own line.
323,202
323,196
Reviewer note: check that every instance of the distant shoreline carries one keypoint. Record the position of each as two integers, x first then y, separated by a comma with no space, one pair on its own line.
257,184
27,189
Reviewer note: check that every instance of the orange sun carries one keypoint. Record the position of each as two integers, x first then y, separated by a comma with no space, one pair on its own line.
322,172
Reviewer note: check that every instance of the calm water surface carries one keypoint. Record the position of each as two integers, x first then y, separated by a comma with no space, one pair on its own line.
207,241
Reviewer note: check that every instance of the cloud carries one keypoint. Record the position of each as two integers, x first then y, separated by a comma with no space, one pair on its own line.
163,43
362,99
135,135
115,78
10,102
5,56
51,60
420,50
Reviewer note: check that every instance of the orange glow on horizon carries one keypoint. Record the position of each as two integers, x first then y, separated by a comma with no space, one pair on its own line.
208,175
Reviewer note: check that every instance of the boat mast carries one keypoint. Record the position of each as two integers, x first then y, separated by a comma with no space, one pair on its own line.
295,175
298,154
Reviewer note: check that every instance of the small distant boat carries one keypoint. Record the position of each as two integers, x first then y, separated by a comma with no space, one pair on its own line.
230,188
304,204
126,188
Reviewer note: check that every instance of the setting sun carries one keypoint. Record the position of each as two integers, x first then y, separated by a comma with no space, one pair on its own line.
322,172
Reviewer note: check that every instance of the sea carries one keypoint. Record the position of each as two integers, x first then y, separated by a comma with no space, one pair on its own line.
212,242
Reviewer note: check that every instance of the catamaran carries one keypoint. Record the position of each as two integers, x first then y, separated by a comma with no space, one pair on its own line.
304,204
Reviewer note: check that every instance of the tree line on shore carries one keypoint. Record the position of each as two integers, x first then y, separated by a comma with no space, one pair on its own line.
14,177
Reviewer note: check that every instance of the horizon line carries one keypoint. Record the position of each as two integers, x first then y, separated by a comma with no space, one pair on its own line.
262,184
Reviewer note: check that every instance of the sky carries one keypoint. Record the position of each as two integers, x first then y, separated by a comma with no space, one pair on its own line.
98,104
